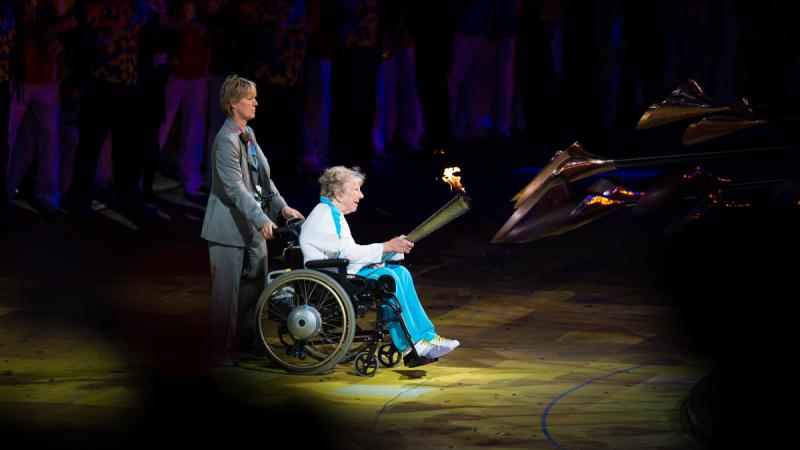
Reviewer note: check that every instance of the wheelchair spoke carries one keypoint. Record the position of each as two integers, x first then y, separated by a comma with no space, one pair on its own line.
318,351
332,322
317,344
330,326
308,295
324,301
301,292
326,336
278,314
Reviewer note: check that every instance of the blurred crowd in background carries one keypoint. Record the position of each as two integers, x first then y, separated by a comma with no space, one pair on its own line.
110,95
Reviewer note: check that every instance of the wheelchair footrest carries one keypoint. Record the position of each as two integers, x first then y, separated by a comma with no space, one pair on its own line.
413,360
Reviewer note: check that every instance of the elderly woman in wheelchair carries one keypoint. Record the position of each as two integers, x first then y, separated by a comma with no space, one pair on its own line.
337,307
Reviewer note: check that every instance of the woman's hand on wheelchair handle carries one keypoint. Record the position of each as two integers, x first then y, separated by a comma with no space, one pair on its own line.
268,230
290,213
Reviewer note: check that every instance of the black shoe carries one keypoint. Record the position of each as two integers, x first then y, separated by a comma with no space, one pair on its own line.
150,197
46,208
147,209
413,360
139,209
77,209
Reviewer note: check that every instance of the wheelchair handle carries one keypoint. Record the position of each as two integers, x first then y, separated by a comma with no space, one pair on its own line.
287,233
291,231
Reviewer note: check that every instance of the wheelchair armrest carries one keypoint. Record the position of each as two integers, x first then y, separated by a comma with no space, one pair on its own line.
340,264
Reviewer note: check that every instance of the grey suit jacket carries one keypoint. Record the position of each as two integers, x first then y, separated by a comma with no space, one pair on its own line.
233,215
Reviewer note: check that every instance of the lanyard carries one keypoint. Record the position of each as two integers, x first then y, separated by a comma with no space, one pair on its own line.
255,174
251,148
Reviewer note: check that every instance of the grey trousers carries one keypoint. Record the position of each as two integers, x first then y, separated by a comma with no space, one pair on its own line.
238,276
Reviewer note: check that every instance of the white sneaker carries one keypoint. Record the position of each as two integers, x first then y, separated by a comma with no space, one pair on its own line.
424,347
444,342
441,347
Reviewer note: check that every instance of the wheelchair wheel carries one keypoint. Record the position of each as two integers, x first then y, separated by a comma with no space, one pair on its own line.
388,355
305,321
366,364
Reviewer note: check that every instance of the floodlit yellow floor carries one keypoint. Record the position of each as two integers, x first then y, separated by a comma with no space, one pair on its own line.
536,369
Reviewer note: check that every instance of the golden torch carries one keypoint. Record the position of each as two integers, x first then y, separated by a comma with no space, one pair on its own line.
457,206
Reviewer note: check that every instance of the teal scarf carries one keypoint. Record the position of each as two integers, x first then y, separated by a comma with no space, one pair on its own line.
336,215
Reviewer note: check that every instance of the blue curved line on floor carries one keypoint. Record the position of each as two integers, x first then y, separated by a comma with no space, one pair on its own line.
553,402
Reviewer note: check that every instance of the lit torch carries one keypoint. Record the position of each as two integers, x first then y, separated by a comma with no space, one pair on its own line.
453,180
457,206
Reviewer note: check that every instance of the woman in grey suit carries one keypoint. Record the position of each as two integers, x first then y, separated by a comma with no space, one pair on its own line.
241,213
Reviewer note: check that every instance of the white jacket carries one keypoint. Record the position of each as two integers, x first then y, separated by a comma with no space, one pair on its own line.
318,240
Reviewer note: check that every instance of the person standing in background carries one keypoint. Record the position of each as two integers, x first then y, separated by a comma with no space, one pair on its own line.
398,124
110,103
8,33
318,91
481,81
37,88
355,53
220,21
187,89
430,24
112,99
538,70
274,52
69,93
153,71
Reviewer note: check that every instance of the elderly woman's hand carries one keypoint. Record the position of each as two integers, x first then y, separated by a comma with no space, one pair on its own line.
398,245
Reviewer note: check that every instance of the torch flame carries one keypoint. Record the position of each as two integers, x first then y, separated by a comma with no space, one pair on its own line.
452,180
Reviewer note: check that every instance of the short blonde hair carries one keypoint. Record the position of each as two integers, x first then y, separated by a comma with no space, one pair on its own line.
234,89
334,178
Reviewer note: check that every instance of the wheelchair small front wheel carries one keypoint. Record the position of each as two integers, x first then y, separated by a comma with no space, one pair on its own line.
388,355
366,364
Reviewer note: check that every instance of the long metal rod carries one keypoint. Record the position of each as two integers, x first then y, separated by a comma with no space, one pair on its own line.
637,162
746,185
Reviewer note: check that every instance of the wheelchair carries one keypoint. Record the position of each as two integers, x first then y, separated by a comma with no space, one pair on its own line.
311,317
